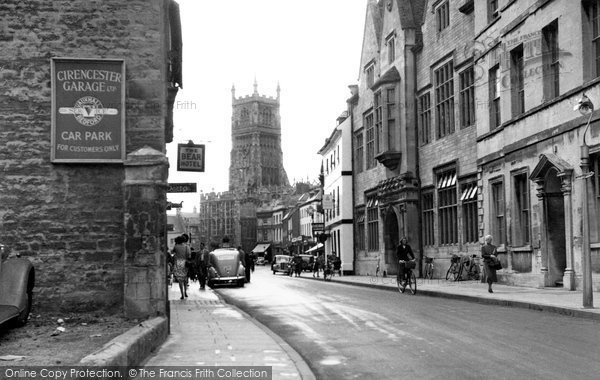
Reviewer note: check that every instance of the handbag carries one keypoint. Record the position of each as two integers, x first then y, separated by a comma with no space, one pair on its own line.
495,263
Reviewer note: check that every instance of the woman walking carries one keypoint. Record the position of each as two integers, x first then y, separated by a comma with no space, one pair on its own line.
488,252
181,254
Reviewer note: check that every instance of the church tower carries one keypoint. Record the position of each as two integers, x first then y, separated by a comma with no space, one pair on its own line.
256,155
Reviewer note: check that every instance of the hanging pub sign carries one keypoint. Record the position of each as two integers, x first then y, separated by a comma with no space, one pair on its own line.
190,157
88,110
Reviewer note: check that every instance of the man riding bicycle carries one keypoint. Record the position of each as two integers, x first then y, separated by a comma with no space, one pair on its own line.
404,253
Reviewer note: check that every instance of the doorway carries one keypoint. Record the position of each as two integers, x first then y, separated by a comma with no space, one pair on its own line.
391,240
555,229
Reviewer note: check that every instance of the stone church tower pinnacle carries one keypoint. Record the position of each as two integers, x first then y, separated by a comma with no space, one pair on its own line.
256,155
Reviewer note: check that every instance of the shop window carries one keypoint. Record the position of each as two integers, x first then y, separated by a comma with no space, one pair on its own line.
447,207
497,222
521,224
468,198
428,218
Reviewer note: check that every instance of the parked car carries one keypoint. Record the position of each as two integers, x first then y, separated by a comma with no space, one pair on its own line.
307,262
282,263
225,268
17,279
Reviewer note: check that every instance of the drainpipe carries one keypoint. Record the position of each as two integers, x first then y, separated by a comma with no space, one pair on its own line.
417,166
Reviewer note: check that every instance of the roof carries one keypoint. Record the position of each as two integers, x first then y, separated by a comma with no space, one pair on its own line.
260,248
176,222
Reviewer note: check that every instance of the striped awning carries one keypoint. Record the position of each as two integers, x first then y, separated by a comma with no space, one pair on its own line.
469,192
446,180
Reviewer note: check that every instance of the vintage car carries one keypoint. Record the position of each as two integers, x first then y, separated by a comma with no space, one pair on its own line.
282,263
17,278
260,260
307,262
225,268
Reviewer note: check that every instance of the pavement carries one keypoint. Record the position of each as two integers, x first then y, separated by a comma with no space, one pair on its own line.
206,331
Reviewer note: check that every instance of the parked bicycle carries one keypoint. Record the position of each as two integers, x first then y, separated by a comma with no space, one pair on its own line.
469,268
453,273
428,273
411,279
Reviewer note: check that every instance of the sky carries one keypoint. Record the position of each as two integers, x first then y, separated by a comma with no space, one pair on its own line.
310,47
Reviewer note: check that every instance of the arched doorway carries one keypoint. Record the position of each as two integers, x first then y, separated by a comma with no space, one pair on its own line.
554,205
391,240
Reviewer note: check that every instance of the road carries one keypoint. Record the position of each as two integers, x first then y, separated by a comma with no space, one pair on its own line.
349,332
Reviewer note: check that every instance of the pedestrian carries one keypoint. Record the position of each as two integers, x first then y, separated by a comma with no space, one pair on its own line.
181,255
317,265
186,239
202,265
192,273
404,253
337,264
242,257
297,264
248,265
488,253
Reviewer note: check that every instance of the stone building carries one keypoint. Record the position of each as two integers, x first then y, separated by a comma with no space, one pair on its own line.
256,156
447,132
337,184
383,124
93,224
535,60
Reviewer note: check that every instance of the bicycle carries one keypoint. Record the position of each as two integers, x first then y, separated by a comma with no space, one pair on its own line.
411,279
428,274
471,267
453,273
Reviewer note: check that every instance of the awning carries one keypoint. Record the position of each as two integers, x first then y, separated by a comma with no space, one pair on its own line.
316,247
260,248
469,192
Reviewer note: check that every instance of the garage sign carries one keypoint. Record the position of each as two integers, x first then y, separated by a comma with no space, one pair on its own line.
88,110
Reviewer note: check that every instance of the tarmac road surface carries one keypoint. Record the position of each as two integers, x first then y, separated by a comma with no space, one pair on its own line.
349,332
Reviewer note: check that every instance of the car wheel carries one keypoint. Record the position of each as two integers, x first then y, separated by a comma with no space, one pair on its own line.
211,284
24,314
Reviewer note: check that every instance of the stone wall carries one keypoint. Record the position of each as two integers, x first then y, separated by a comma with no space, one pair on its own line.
68,218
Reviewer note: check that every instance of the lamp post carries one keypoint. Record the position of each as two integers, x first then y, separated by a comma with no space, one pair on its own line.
586,107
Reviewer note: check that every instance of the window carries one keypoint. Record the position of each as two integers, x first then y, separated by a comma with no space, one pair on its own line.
425,119
594,21
494,88
492,10
497,212
447,207
521,210
370,73
391,118
517,82
373,224
428,228
370,140
467,98
550,64
391,48
444,97
378,109
469,212
443,16
358,159
360,230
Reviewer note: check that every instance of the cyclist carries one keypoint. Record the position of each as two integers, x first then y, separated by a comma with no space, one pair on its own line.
404,253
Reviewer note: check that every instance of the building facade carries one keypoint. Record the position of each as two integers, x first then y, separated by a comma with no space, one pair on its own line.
383,124
95,231
446,122
337,185
535,61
